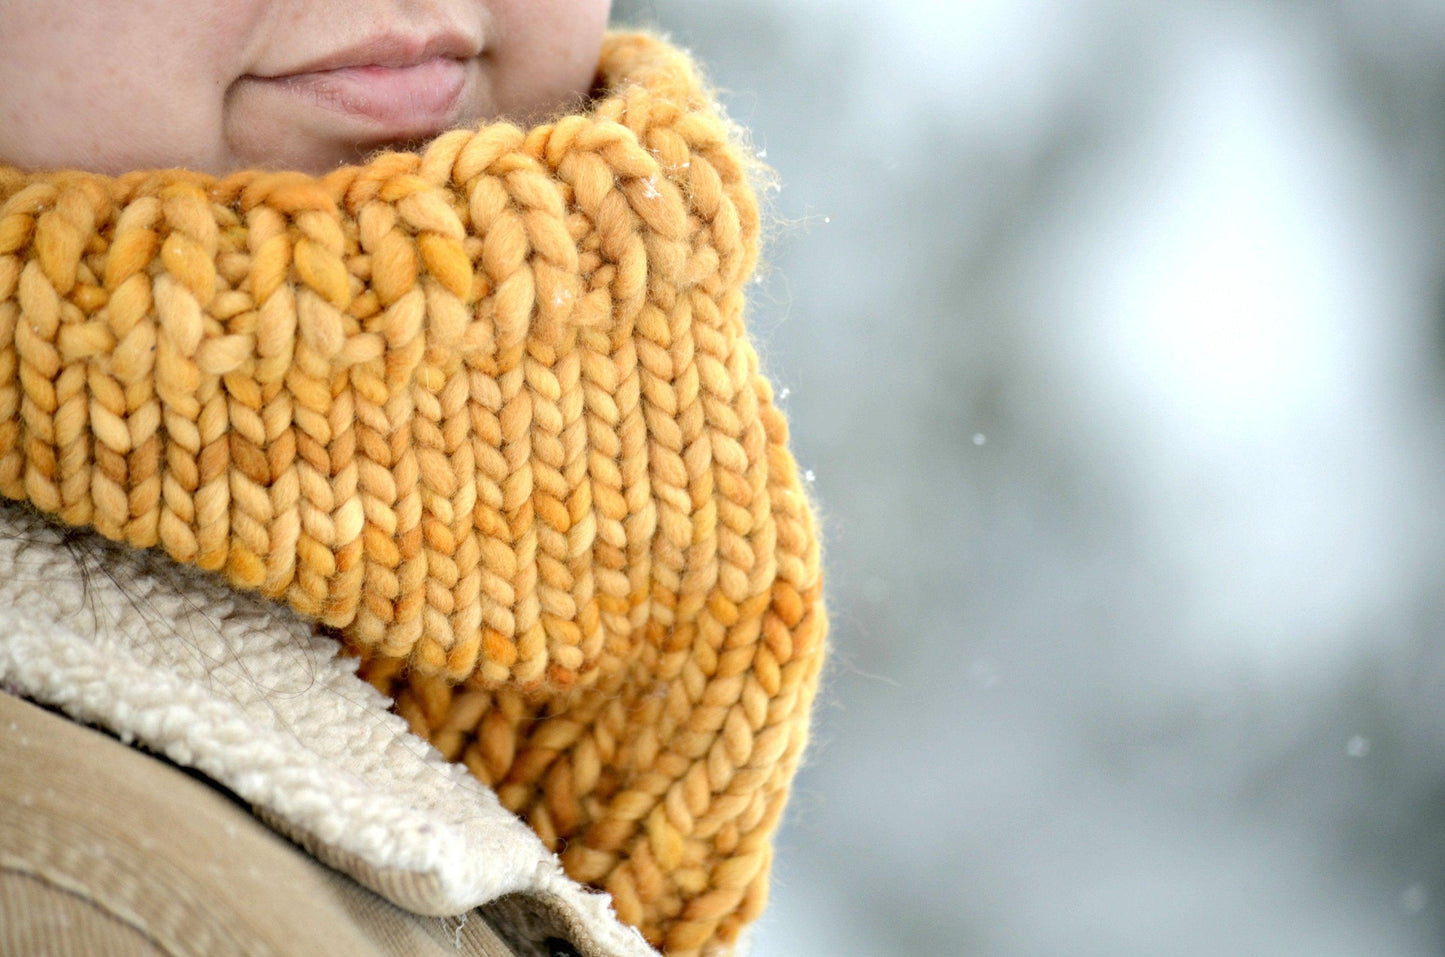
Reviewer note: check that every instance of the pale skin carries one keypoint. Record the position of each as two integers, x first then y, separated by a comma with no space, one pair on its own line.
222,85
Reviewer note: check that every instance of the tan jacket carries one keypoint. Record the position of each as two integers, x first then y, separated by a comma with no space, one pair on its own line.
107,849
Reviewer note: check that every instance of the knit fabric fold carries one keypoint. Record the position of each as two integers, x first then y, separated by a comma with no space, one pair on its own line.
489,411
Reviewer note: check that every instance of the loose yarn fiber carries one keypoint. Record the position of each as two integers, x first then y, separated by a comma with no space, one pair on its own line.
490,411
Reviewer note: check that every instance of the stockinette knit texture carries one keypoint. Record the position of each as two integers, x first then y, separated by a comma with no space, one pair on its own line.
489,411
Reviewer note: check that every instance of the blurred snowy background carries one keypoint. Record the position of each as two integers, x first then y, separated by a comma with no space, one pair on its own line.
1112,333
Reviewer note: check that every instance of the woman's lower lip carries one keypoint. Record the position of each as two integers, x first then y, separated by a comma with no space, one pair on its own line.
400,101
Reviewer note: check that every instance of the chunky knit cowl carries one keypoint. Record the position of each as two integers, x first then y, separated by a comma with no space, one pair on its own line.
487,410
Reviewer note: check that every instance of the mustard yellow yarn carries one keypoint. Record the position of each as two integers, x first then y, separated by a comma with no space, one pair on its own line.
490,411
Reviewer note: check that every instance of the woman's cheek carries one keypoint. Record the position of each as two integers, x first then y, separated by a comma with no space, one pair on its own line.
546,59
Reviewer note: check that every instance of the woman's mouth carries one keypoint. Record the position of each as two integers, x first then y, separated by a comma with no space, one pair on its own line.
400,101
385,89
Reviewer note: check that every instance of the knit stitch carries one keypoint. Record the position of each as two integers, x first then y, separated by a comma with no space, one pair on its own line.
490,411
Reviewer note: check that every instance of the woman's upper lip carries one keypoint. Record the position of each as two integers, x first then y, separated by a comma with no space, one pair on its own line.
388,50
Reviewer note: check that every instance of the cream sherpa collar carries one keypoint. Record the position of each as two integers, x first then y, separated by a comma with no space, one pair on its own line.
245,692
491,412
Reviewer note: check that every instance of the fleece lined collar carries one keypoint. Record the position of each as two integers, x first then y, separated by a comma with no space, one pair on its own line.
249,695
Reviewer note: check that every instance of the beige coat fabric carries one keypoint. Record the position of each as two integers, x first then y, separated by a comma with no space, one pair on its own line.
107,850
246,693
